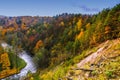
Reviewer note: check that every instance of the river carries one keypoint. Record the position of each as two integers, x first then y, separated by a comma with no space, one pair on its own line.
29,67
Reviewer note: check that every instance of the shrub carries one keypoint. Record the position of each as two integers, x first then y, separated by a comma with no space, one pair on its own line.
109,73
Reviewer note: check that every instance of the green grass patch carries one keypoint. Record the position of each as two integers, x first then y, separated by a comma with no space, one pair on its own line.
15,61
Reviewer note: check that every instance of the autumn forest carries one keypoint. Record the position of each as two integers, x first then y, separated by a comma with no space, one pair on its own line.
57,44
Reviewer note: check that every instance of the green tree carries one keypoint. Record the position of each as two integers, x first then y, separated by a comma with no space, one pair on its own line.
41,58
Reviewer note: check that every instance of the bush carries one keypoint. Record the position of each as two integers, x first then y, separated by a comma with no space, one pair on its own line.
109,73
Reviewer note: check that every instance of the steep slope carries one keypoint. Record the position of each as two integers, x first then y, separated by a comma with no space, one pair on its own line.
100,65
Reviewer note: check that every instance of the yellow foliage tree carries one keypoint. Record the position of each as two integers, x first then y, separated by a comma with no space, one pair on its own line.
87,25
107,29
23,26
5,61
6,71
80,34
93,40
79,24
4,32
38,45
62,23
45,24
10,29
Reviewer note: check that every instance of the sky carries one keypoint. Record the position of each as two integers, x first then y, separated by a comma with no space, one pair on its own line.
53,7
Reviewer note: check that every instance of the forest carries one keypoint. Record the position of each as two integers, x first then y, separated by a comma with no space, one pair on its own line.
58,43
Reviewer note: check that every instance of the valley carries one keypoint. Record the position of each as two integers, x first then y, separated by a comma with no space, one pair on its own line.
68,46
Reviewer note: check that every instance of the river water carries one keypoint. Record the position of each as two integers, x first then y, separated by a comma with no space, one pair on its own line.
29,67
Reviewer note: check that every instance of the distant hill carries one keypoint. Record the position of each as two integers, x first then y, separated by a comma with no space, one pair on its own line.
28,20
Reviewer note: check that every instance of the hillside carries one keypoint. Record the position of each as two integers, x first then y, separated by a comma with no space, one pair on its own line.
103,63
98,63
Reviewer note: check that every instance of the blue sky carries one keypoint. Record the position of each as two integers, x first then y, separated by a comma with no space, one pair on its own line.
53,7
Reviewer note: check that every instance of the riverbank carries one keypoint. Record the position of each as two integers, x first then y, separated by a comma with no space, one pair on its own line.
15,62
16,65
30,67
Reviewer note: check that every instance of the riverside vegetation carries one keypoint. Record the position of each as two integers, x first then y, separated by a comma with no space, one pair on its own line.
9,63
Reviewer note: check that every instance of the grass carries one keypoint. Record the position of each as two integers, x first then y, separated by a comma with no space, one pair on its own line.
20,63
60,71
16,62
